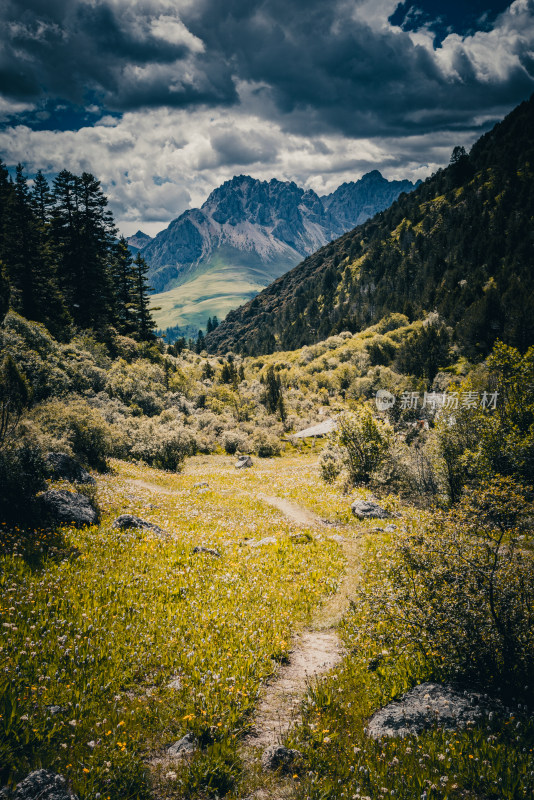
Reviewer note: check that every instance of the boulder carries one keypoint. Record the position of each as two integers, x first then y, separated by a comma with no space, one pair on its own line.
201,485
209,550
243,461
278,757
368,509
185,746
40,785
67,508
128,521
65,467
431,705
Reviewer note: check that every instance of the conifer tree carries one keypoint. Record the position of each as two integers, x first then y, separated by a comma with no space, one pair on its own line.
144,324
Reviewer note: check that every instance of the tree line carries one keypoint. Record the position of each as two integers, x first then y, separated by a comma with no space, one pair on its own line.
61,262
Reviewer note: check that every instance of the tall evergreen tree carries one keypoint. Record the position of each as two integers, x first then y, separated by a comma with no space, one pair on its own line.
144,324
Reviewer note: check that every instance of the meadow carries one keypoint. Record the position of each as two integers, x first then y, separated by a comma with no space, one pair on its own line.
98,625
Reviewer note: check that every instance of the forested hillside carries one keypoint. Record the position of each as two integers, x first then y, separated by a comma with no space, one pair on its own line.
460,244
61,263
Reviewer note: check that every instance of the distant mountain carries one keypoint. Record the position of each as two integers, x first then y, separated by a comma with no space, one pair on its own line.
462,243
138,241
355,202
246,234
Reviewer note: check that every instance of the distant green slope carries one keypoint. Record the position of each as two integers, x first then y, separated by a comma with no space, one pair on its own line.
226,280
461,244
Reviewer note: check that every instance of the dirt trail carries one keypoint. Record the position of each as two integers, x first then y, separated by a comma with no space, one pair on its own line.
314,652
297,514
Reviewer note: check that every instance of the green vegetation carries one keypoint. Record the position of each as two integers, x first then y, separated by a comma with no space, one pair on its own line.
62,264
458,244
115,644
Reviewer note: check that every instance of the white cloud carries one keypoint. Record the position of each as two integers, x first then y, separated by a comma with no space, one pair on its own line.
172,30
153,165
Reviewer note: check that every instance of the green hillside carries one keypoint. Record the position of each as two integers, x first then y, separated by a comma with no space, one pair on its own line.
460,244
228,278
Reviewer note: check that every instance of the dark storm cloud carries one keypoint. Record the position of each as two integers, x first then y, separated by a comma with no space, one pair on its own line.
74,49
309,65
329,69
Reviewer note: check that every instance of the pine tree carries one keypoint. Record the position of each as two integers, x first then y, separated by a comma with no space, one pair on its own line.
144,324
124,282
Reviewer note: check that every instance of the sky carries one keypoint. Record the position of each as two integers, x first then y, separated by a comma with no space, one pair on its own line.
163,100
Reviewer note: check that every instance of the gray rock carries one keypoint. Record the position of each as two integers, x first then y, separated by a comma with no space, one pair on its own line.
390,528
368,509
63,466
185,746
431,705
209,550
201,485
278,757
128,521
67,508
243,461
40,785
53,710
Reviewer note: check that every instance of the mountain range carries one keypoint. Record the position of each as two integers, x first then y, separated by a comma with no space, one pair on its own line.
461,244
248,233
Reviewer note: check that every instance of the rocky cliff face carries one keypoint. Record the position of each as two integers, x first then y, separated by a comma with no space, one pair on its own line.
269,222
355,202
247,234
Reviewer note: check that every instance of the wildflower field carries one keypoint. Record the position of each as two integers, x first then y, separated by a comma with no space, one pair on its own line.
97,626
116,644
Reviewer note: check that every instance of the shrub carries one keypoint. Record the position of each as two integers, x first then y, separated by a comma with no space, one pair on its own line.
266,445
77,428
232,441
22,475
159,443
365,441
460,592
331,463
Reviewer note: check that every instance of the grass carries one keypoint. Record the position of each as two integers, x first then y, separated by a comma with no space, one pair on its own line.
225,281
91,640
97,623
493,761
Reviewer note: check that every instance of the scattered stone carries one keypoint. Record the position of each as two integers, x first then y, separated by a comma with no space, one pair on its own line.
65,467
261,542
368,509
243,461
337,538
390,528
431,705
128,521
278,757
40,785
201,485
53,710
67,508
209,550
184,747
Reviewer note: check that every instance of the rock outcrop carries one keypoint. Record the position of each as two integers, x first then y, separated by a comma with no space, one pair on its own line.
129,521
61,507
431,705
368,509
40,785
